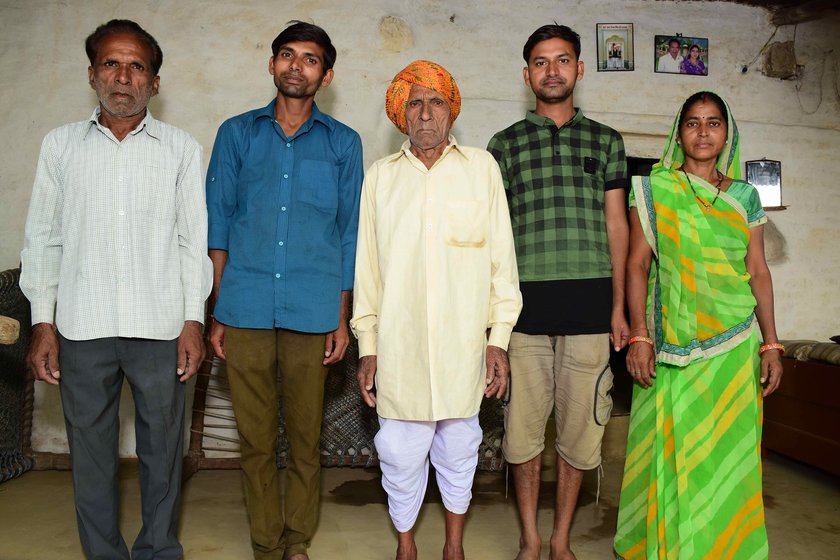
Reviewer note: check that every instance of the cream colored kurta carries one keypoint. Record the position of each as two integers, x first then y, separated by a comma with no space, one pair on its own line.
435,268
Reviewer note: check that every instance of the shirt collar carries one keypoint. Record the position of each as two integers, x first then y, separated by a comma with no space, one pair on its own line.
536,119
149,124
405,150
317,115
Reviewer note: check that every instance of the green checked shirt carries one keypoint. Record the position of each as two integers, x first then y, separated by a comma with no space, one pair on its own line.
556,180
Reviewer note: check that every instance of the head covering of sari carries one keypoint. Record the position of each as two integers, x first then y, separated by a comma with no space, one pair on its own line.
729,160
426,74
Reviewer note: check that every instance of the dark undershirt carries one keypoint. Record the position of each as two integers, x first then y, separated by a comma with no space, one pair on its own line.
566,307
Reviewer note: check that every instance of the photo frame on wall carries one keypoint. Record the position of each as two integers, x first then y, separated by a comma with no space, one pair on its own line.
675,54
615,47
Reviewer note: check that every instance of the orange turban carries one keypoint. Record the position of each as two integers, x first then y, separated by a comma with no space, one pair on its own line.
426,74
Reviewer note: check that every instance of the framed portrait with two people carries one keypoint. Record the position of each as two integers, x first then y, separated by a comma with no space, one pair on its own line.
675,54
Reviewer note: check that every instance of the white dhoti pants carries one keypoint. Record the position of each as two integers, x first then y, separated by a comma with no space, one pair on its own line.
405,448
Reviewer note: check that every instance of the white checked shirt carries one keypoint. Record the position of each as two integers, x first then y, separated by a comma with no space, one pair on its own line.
116,236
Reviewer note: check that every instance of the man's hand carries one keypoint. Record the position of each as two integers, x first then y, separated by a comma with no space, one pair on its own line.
365,376
190,350
337,342
498,372
43,353
619,331
217,338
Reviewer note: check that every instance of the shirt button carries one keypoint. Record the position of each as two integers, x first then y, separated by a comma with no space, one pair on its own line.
120,179
283,208
277,275
121,212
280,243
285,175
289,145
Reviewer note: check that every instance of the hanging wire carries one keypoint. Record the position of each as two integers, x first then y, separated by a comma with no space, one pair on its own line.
761,51
799,82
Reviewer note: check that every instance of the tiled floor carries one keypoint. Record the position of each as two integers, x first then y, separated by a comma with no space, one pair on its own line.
37,520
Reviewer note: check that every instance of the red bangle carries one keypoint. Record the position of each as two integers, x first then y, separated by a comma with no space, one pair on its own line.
772,346
645,339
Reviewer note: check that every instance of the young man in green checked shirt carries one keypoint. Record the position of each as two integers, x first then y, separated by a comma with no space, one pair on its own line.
565,177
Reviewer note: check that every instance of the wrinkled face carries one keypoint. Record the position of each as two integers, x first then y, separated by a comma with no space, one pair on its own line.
703,131
122,75
553,70
694,53
298,69
674,48
427,116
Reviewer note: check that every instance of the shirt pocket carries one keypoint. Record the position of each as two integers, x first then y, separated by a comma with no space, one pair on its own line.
155,189
318,184
466,223
592,172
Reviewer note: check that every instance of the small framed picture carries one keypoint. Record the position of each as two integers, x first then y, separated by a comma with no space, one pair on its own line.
615,46
675,54
766,176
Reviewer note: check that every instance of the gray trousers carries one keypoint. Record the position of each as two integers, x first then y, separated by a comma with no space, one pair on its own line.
92,373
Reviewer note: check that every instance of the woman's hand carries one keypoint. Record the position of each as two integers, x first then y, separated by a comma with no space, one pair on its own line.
640,363
771,371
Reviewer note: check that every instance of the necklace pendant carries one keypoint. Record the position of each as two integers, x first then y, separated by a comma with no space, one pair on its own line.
708,208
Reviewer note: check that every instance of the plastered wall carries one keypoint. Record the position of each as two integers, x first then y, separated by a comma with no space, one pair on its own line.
215,66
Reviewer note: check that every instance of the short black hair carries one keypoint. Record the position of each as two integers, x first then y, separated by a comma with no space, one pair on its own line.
124,26
705,97
551,31
674,40
302,31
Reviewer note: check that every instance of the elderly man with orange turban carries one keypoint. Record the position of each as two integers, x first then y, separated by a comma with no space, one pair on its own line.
435,300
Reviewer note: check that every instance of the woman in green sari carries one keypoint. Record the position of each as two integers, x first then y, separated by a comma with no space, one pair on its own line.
697,286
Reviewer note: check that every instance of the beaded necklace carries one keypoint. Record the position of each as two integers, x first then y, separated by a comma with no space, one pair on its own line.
702,202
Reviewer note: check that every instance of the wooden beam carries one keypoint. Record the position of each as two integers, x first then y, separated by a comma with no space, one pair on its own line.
802,12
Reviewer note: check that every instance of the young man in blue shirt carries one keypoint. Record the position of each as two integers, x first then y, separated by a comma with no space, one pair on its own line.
283,191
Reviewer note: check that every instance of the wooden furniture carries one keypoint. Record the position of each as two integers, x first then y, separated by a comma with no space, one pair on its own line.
802,418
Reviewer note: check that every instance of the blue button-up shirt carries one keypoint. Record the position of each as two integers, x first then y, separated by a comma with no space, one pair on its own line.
286,209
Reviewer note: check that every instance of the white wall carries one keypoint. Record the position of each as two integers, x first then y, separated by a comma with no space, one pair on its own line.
215,64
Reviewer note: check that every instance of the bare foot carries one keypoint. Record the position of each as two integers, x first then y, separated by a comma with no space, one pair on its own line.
558,553
529,548
453,552
407,551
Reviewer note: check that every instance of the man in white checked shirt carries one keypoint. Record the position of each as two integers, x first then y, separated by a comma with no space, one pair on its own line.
116,270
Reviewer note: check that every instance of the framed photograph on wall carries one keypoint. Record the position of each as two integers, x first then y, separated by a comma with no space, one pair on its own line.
615,46
766,176
675,54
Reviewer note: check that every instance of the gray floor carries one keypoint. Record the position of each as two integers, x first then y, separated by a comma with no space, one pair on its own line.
37,520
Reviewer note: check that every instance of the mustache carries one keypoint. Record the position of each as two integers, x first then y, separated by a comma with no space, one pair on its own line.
562,81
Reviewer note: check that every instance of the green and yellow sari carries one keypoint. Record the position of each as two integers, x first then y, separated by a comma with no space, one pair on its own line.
692,477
